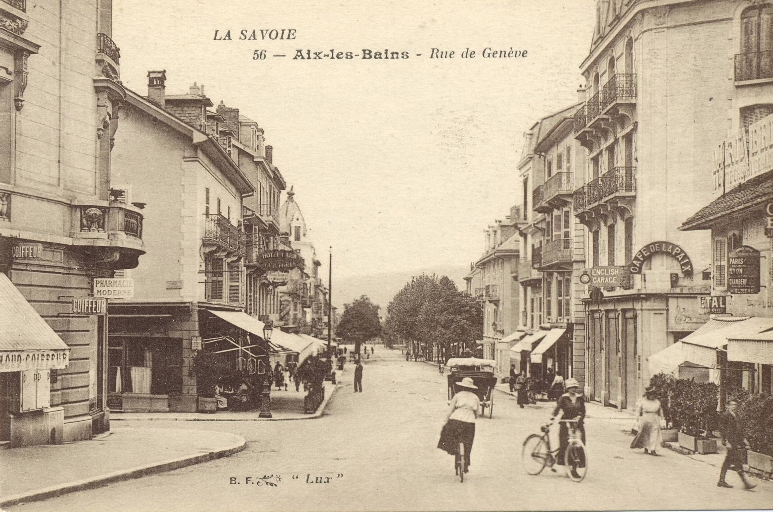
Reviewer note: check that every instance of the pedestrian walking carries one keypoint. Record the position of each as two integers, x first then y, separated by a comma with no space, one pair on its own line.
297,379
513,377
556,387
736,446
358,377
648,413
279,375
521,389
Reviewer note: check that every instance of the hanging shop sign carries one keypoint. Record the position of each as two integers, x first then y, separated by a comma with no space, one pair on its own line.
716,304
280,260
606,276
89,306
661,248
278,278
113,288
743,271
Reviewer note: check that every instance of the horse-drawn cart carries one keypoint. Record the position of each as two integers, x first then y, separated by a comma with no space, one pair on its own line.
481,371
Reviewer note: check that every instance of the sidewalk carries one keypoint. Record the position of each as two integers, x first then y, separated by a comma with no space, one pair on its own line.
285,405
40,472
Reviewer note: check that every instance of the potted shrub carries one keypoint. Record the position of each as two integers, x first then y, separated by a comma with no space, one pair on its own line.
755,415
207,371
695,409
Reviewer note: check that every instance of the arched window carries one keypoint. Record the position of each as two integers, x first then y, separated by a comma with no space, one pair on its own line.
756,58
629,57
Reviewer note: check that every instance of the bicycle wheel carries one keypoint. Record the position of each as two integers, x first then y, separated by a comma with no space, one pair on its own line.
535,454
576,460
460,467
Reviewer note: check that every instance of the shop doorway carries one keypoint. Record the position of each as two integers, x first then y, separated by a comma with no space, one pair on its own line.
597,347
630,359
613,358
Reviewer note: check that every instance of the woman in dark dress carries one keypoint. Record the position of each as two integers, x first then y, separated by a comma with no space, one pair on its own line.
571,406
522,389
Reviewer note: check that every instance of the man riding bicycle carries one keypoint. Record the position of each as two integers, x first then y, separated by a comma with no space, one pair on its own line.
571,406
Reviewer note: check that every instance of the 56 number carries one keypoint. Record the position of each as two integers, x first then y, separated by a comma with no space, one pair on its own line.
259,55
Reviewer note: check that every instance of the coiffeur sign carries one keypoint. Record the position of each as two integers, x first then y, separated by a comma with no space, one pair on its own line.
20,360
661,248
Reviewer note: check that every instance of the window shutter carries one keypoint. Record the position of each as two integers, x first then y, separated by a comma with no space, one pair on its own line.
720,262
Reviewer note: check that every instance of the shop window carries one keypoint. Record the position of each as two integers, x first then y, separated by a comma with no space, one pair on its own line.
720,263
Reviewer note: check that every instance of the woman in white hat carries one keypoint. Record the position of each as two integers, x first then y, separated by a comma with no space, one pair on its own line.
460,420
571,406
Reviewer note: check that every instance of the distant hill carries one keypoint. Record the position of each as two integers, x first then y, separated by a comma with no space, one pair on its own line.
382,287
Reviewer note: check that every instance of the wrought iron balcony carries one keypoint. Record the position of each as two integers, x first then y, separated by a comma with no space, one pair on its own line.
579,197
557,252
621,88
753,66
580,119
560,184
492,292
107,47
618,180
219,232
593,107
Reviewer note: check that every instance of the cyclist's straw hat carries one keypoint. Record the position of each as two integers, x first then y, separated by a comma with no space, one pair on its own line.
467,383
572,383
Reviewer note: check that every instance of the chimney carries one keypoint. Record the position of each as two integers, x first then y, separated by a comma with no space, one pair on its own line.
157,87
194,90
231,116
270,154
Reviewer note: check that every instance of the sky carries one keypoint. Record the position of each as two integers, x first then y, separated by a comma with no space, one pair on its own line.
396,164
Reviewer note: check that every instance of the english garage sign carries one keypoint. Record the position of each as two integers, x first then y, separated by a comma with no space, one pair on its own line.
661,248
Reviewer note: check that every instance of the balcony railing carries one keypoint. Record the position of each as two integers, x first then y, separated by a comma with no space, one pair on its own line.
492,292
107,46
19,4
110,219
618,180
538,195
593,107
219,231
580,119
559,183
753,66
557,251
620,88
580,202
594,191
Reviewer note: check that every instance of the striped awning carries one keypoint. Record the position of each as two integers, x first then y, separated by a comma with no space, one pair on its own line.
528,342
252,325
27,342
756,348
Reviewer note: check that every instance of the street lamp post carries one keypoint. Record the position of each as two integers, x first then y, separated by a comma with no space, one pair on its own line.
329,304
265,394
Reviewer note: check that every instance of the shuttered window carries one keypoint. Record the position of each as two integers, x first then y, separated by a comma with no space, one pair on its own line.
720,263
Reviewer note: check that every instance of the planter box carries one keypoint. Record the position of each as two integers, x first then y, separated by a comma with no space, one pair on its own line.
669,435
760,461
706,446
208,405
686,441
698,445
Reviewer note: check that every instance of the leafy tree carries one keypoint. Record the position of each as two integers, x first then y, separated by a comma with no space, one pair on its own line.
359,322
429,310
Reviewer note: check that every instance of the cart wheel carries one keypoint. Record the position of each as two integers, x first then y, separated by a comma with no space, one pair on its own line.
491,409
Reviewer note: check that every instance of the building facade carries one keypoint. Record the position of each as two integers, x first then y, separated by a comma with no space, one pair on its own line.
655,89
63,233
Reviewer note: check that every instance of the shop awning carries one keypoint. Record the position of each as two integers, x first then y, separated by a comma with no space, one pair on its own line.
756,348
27,342
550,339
252,325
303,347
515,336
670,358
528,342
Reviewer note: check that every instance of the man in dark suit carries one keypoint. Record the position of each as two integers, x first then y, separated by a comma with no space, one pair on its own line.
736,446
358,377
